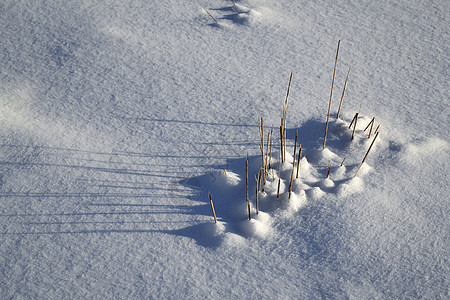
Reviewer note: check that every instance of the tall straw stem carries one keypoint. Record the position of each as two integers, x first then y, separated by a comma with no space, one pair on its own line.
331,96
246,187
212,208
367,153
342,97
354,127
299,158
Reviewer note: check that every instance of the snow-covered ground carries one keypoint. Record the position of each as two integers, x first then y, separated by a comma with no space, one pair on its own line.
118,118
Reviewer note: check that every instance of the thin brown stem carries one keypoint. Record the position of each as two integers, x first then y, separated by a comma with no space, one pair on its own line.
246,187
367,153
329,166
378,127
295,148
342,97
353,120
212,208
370,123
270,156
354,127
331,96
281,140
299,158
290,182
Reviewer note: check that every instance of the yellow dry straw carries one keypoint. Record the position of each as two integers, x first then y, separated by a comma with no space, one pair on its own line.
331,95
212,207
246,187
342,97
371,126
299,158
367,153
354,127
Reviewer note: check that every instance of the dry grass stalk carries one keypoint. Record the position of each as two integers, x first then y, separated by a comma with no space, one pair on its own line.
257,192
331,96
267,157
371,126
295,148
283,119
281,140
353,120
354,127
284,140
258,184
224,171
367,153
279,174
342,163
212,208
246,187
299,158
234,3
378,127
370,123
329,166
270,156
290,183
235,10
209,14
293,165
342,97
261,145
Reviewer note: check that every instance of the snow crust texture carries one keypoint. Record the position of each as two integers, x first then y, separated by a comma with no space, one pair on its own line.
118,117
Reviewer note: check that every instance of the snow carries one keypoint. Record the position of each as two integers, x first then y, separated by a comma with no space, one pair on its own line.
118,118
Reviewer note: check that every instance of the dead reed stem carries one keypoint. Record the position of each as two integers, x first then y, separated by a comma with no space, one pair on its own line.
258,184
293,165
283,120
278,190
342,97
342,163
329,166
263,156
378,127
267,157
295,148
354,127
367,153
371,122
246,187
212,207
209,14
284,139
331,96
281,141
371,127
299,158
270,156
351,123
290,182
279,174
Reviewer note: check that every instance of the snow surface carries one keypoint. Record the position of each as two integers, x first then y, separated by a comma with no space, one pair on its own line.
117,118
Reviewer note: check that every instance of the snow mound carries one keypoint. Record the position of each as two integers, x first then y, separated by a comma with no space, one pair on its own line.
287,186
